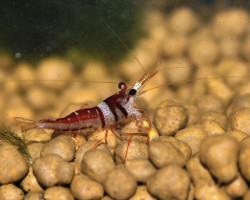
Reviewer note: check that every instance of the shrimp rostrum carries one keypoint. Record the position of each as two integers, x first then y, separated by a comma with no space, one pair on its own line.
105,116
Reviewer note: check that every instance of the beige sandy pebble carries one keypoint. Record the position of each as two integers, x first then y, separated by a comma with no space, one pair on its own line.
193,114
63,146
77,136
120,184
107,198
164,153
38,135
244,162
230,46
35,150
142,194
203,51
170,182
198,172
52,69
13,166
215,86
183,20
244,88
219,154
183,147
58,193
210,191
240,102
245,142
219,118
30,184
77,168
134,150
247,195
87,146
140,168
53,169
174,45
208,103
238,135
170,117
212,127
176,69
10,191
33,196
240,120
82,187
97,164
40,98
232,21
24,74
237,188
192,135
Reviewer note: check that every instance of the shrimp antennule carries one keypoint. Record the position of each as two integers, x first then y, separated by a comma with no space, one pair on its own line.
25,124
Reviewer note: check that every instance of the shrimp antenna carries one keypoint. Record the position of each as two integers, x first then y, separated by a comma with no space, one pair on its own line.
131,53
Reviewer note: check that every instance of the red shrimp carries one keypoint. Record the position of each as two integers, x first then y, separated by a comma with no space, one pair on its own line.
105,116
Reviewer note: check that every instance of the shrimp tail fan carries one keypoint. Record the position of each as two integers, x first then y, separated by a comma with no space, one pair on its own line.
25,124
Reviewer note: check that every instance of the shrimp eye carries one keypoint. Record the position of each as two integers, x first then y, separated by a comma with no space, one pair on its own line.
132,92
121,85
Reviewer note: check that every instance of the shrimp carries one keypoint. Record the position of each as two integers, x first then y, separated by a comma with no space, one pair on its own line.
104,116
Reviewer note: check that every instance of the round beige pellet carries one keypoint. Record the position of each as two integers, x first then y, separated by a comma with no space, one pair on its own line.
164,153
83,187
53,169
33,196
140,168
219,153
10,191
58,193
13,166
120,184
97,164
142,194
63,146
170,182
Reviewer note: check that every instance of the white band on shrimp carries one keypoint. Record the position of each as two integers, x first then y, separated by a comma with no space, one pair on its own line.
108,115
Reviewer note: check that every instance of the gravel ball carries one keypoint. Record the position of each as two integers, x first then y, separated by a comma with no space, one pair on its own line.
164,153
142,194
53,169
237,188
135,150
30,184
10,158
192,135
62,145
193,114
208,103
216,86
140,168
219,154
212,128
240,102
83,188
174,45
210,191
244,161
180,145
183,21
238,135
170,117
219,118
240,120
35,150
33,196
198,172
120,184
87,146
97,164
170,182
10,191
246,47
58,193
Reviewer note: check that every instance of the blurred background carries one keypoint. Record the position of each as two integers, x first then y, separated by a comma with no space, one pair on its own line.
52,52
